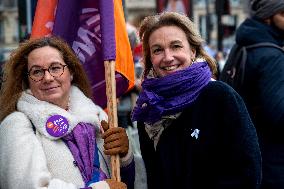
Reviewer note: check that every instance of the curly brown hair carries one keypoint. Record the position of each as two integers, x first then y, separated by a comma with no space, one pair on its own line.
15,71
152,23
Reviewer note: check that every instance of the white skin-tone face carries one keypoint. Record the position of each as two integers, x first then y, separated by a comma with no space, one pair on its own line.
170,51
50,89
278,20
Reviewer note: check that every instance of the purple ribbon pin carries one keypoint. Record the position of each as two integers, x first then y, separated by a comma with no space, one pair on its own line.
57,125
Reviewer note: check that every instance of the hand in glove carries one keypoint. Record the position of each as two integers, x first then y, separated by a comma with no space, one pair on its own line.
108,183
115,184
115,140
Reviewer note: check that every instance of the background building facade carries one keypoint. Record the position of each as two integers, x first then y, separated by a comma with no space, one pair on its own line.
216,27
9,35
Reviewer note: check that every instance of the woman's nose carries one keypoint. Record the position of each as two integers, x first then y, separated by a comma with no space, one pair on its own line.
47,76
168,55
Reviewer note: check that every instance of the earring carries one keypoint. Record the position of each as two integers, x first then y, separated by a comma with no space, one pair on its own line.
193,60
71,78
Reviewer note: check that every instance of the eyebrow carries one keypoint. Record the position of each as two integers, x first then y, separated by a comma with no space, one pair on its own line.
155,46
176,41
38,66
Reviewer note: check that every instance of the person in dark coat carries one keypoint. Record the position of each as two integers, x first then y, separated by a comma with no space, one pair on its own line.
263,88
194,132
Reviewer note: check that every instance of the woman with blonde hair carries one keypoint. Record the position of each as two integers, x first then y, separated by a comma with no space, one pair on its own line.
194,132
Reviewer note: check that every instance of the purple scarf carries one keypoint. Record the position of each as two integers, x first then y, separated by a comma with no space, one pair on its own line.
82,144
170,94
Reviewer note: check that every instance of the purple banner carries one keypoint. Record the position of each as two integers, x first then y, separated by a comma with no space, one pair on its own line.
80,24
108,29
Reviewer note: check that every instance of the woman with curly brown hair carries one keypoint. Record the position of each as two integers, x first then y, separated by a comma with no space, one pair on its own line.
50,131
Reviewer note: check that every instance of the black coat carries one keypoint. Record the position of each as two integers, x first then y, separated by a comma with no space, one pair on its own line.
225,155
263,93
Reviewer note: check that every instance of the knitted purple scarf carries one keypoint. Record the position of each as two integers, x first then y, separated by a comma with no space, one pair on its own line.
170,94
82,144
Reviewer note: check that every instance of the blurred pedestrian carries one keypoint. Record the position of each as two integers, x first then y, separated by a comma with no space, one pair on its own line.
220,60
263,84
126,101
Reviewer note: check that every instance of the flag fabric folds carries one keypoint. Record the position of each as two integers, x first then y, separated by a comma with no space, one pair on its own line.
96,31
44,18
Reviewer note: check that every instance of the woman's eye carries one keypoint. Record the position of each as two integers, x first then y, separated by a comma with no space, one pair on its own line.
177,46
156,51
55,68
37,72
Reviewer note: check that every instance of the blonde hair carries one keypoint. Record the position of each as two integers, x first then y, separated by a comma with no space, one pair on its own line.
15,71
152,23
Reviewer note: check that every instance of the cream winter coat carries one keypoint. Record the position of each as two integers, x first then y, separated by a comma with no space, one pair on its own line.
37,160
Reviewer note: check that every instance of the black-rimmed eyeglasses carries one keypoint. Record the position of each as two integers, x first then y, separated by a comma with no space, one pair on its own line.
37,73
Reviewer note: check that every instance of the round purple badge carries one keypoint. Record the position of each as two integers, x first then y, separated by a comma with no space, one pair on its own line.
57,125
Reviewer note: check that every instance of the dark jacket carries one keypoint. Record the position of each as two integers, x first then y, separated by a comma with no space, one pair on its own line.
225,155
263,93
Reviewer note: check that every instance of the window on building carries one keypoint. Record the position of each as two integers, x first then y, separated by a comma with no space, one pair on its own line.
2,36
9,3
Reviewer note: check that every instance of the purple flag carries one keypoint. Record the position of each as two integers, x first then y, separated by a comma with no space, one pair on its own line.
108,29
80,23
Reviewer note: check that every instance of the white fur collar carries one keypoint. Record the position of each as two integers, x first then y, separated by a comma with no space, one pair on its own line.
81,109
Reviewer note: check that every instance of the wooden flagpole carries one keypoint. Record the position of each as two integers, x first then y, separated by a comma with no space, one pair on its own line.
112,112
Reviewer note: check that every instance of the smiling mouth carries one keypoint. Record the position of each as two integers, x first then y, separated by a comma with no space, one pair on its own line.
50,88
170,68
